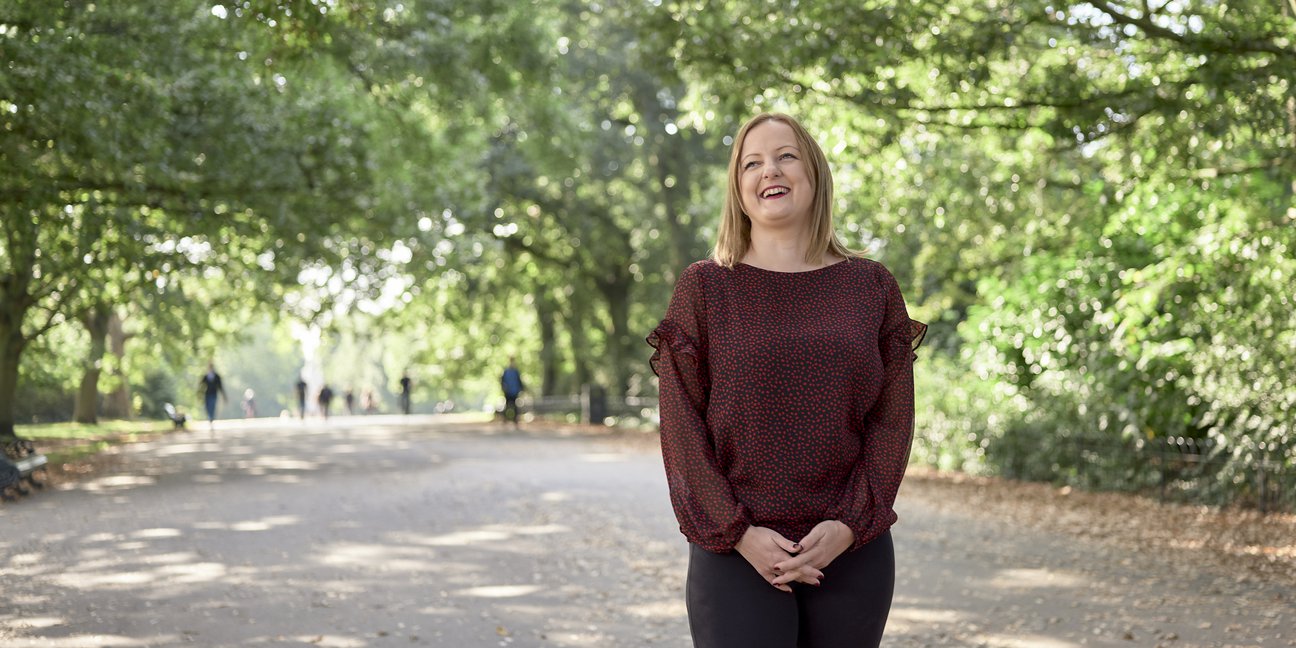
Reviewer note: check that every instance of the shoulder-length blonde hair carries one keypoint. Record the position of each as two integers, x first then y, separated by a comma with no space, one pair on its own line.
734,238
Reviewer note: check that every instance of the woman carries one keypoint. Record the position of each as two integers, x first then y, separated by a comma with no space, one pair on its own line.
785,366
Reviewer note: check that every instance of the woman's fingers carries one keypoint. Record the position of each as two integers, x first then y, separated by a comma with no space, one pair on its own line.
807,575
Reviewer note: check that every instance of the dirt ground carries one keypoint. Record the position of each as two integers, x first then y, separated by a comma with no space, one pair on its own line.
378,531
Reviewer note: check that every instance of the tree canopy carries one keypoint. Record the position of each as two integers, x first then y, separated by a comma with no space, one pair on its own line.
1092,203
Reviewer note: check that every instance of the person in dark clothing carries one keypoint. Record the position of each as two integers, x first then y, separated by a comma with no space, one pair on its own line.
511,383
405,397
785,373
325,399
349,398
301,397
212,388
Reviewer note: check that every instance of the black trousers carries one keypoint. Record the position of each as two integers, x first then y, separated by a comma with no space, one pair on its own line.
510,408
731,606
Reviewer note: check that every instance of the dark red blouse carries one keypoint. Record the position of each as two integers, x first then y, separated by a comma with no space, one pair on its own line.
787,399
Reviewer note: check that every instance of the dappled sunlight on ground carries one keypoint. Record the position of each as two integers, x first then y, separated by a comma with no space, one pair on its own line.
329,534
330,641
604,457
904,617
498,591
112,484
669,609
1018,579
486,534
992,640
94,641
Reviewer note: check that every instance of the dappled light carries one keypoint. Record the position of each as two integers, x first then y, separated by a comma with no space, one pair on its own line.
1025,579
114,484
603,458
1025,641
500,591
491,533
424,533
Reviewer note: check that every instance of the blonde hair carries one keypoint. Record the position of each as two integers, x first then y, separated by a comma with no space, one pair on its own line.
734,239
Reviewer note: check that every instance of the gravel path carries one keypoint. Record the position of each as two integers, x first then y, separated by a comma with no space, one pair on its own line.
436,531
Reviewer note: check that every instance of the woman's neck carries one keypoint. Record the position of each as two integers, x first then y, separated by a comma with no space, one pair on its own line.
782,252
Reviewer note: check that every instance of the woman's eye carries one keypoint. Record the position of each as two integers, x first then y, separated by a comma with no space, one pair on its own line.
749,165
787,155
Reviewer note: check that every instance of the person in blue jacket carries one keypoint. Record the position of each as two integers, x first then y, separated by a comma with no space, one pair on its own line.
511,383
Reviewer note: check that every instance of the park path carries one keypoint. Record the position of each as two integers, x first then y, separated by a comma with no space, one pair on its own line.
440,531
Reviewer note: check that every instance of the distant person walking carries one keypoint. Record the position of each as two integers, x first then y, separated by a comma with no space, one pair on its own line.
249,403
511,383
212,388
325,398
405,384
349,398
301,397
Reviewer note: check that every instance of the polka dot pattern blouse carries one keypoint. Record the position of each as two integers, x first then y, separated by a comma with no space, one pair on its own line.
787,399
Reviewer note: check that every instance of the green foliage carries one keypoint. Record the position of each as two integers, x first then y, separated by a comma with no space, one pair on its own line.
1091,204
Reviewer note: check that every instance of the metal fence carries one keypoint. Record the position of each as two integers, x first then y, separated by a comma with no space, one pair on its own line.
1174,469
593,405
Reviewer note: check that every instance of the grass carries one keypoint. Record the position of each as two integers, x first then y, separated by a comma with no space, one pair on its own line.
69,442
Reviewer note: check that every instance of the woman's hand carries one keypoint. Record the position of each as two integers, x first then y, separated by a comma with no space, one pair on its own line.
765,548
821,546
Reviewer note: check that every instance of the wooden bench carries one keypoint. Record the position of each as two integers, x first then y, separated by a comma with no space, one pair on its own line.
19,466
177,418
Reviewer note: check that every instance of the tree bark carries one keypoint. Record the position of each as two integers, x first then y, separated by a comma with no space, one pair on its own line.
86,408
548,344
579,342
616,291
11,345
117,403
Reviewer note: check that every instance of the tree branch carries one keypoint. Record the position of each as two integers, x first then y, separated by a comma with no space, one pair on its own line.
1213,45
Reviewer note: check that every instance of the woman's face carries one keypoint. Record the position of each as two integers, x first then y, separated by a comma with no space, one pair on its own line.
773,179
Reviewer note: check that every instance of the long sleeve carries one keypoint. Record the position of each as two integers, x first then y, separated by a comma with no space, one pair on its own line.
709,514
867,504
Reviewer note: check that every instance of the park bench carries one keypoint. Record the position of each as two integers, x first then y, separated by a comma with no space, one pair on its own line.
19,466
177,418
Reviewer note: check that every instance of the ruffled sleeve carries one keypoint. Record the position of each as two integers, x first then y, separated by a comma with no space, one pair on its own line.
709,515
867,504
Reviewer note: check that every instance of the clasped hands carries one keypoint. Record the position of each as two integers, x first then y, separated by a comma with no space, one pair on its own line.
781,561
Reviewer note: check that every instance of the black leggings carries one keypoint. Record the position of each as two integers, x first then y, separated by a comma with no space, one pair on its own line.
730,605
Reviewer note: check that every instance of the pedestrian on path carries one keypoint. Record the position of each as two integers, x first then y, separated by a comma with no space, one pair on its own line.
405,396
785,368
325,399
511,384
301,397
212,388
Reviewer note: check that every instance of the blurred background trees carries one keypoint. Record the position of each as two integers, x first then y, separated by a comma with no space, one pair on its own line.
1091,203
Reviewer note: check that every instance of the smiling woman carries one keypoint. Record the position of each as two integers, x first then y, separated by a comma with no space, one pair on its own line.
785,370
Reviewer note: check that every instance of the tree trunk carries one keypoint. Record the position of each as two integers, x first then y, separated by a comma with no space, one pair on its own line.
579,342
616,290
673,180
548,344
11,346
117,403
86,409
